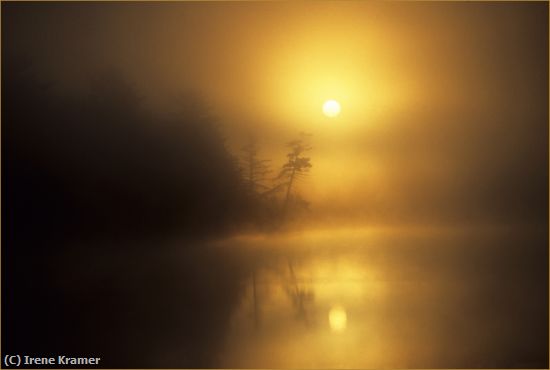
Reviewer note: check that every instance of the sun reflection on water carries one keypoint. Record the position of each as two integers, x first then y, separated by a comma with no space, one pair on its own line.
296,310
337,318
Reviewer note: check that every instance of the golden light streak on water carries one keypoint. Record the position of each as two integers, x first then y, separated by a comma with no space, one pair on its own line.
337,318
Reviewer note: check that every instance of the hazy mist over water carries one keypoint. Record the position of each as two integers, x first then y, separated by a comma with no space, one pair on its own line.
175,194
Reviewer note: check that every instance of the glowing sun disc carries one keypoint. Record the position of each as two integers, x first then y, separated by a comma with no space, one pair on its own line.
331,108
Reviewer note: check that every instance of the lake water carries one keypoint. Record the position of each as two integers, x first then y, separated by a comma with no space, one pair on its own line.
357,298
333,298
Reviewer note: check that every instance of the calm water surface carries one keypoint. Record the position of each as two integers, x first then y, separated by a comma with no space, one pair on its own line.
346,298
411,299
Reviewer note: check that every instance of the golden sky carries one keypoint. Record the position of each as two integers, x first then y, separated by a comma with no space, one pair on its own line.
444,105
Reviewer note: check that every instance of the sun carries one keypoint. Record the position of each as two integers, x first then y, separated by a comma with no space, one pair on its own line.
331,108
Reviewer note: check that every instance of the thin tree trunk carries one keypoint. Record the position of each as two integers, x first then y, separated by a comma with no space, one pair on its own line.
285,208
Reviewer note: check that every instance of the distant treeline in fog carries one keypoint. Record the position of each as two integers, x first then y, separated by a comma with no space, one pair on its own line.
98,164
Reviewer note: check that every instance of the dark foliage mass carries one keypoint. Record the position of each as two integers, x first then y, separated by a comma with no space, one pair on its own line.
92,187
97,164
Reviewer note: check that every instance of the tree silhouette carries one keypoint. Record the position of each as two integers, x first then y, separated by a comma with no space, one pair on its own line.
297,166
254,169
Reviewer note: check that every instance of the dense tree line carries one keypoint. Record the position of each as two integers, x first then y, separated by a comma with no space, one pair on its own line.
97,164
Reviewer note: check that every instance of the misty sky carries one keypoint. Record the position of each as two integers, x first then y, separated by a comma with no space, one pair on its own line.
444,105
